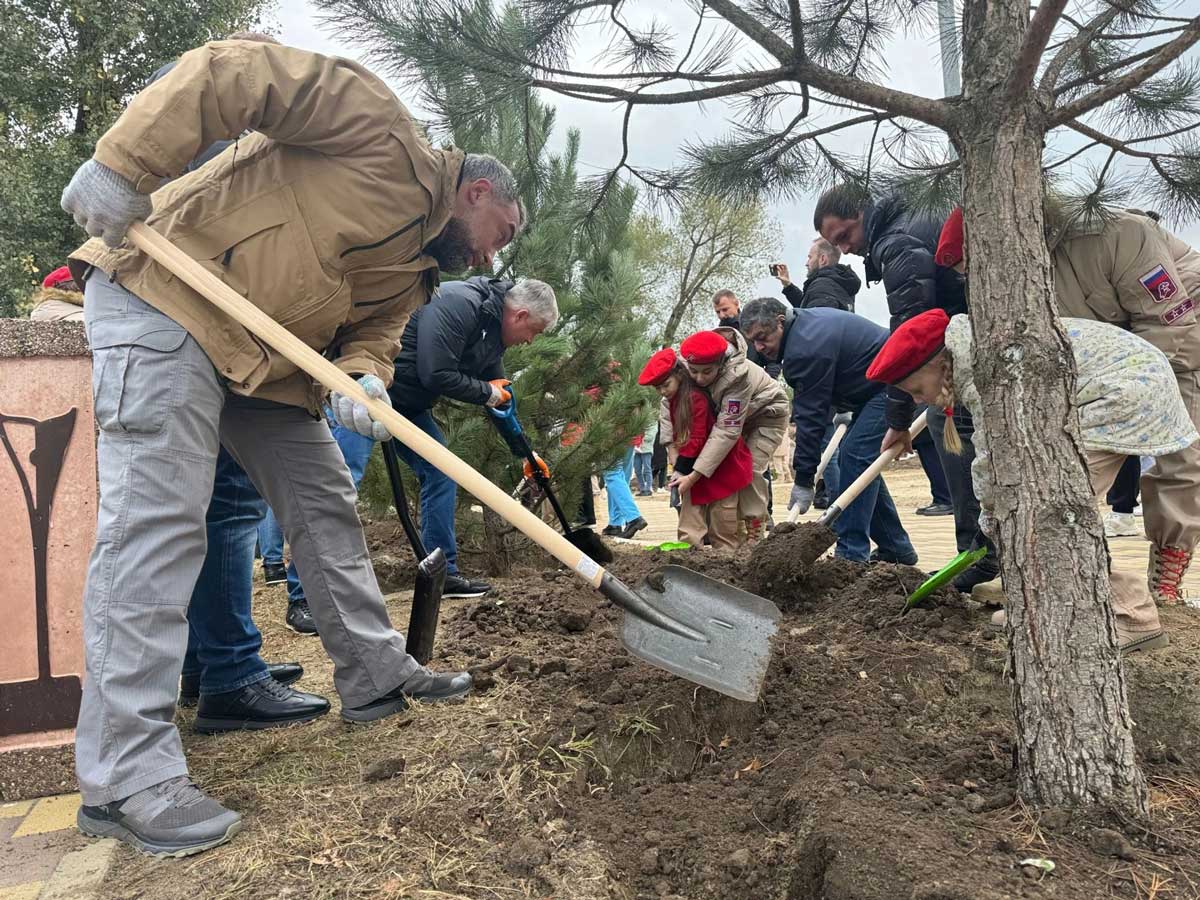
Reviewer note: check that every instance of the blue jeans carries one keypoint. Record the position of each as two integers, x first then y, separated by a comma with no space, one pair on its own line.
438,494
356,450
622,508
642,467
270,540
871,517
223,642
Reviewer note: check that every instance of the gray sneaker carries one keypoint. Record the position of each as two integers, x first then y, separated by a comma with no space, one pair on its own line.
174,818
422,685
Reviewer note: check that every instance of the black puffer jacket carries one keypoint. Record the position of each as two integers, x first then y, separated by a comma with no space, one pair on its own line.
900,249
831,286
451,346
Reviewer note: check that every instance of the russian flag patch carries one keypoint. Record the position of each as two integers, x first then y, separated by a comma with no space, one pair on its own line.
1159,284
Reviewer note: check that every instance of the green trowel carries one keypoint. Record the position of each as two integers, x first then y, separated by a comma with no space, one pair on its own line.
964,560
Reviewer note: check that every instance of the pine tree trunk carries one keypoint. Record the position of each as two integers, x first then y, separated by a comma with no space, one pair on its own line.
1074,739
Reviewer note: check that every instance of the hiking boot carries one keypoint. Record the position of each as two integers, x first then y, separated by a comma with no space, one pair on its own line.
457,586
878,557
1121,525
174,818
299,618
612,530
969,578
422,685
263,704
1165,572
632,528
1127,641
935,509
284,673
274,573
990,593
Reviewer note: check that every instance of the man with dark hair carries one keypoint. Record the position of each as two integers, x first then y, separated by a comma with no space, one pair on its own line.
336,224
825,355
898,246
828,283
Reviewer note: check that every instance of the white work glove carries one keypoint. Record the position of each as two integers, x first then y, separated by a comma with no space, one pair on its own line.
103,203
843,418
801,499
349,413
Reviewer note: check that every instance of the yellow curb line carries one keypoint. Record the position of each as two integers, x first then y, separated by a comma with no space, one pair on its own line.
49,814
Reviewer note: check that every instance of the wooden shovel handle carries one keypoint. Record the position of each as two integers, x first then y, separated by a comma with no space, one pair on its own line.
830,449
262,326
850,494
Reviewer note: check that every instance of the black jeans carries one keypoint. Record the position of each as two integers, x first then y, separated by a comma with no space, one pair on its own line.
1123,495
957,467
931,462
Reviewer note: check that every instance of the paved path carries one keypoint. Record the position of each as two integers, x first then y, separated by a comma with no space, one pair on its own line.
933,537
43,856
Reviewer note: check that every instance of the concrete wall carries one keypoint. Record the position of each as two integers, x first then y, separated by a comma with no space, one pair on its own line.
47,526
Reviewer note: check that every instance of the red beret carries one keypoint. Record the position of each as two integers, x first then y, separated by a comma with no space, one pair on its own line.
950,244
910,346
658,367
704,348
57,277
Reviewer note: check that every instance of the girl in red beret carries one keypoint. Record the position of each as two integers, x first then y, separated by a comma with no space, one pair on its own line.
748,405
1128,401
708,505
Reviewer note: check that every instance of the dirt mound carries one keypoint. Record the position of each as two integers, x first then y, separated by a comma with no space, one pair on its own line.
877,764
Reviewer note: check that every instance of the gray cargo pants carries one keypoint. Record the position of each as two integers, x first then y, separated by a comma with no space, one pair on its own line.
162,411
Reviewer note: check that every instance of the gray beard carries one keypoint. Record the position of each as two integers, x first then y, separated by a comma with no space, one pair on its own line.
451,248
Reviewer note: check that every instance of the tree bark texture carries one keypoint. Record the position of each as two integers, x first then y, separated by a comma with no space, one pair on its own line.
1074,733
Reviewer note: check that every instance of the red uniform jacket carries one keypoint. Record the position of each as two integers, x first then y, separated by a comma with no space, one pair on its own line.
733,473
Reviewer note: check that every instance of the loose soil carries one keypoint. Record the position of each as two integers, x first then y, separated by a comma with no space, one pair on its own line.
877,764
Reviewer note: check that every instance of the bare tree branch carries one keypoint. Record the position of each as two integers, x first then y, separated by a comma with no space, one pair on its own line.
1124,147
1166,54
753,29
1037,35
622,95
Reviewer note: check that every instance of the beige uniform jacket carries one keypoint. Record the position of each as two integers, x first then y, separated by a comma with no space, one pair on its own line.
1134,273
744,395
319,217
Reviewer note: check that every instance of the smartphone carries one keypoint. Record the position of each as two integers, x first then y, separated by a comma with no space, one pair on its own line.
774,267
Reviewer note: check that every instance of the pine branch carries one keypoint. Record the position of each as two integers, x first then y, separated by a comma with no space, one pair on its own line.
1087,33
1037,35
1093,76
1165,55
1123,147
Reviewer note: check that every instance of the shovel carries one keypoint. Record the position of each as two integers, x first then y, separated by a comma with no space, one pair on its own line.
686,623
506,422
830,449
814,538
431,569
964,560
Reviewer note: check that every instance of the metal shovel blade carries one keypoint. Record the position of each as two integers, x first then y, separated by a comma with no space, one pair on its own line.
731,631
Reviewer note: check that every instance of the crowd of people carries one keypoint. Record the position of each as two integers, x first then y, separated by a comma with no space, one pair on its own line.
302,182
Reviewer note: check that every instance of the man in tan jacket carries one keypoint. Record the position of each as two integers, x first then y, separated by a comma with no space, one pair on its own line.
1132,272
333,217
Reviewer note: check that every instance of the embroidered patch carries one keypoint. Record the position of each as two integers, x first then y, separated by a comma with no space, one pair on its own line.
733,412
1159,284
1175,313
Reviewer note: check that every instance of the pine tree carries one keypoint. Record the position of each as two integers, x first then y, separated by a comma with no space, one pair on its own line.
1105,101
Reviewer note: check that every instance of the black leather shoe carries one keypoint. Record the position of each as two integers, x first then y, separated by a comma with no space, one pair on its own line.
612,530
264,704
299,618
966,580
876,557
422,685
936,509
284,673
457,586
274,573
632,528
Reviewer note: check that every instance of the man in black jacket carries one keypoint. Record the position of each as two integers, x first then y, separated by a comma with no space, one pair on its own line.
829,282
454,347
898,246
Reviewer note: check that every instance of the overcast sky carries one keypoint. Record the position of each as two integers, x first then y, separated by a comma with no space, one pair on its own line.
657,133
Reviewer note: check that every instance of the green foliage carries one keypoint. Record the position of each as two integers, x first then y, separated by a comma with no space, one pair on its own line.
66,71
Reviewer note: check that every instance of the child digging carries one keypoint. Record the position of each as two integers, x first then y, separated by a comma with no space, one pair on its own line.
1129,405
708,505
